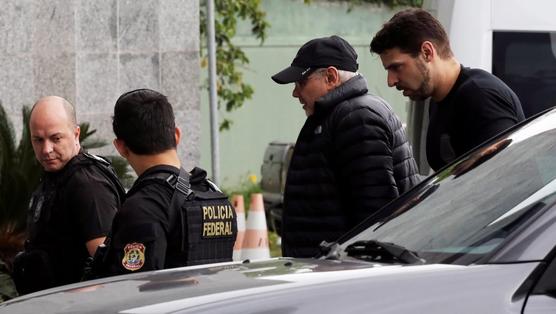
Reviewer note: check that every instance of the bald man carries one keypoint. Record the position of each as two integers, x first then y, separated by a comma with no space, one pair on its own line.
71,211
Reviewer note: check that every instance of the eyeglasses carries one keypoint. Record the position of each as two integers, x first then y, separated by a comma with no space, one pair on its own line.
302,82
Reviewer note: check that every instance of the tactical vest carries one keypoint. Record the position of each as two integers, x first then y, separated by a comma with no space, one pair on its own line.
203,226
34,267
43,199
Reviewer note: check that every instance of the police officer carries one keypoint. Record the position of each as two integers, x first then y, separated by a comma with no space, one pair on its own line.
170,217
71,210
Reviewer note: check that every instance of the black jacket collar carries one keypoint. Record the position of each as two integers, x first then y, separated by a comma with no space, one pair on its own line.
356,86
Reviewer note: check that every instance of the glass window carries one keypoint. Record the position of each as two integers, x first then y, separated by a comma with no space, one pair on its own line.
526,61
468,209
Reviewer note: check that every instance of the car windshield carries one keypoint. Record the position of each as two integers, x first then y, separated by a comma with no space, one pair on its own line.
466,210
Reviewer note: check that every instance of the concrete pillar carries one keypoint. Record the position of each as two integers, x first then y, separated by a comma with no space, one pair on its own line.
90,52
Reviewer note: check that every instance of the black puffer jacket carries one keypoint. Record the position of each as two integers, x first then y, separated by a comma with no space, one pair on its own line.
351,158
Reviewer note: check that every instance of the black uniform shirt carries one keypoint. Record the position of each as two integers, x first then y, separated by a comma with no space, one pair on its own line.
478,107
139,232
78,205
140,238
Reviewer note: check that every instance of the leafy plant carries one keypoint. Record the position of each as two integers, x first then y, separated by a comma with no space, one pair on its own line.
232,91
120,165
246,188
388,3
19,174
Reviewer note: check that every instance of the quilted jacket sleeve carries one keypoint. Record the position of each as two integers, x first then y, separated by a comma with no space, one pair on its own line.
363,142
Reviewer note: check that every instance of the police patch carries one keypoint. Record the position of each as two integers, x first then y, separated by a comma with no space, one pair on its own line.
134,256
217,221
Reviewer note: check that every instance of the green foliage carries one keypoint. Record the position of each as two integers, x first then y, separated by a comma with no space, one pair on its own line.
121,167
7,286
232,91
19,174
388,3
274,242
85,137
246,188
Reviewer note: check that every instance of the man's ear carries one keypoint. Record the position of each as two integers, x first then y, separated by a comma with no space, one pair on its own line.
121,148
76,132
332,77
177,134
428,51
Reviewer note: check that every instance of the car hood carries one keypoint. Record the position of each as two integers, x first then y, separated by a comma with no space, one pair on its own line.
285,286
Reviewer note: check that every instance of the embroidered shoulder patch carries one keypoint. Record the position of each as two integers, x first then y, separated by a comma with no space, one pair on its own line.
134,256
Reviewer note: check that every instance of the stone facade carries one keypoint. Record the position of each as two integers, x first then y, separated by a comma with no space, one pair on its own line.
90,52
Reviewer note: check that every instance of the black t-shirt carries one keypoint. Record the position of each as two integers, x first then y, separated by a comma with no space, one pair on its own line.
478,107
79,203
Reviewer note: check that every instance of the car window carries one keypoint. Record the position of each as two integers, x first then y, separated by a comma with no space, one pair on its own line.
468,209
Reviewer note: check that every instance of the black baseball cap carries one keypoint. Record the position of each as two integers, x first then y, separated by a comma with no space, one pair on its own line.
319,53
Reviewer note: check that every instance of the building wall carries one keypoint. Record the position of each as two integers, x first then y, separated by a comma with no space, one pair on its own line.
273,114
90,52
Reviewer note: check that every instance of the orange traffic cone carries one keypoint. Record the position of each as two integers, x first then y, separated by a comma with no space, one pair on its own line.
255,244
237,202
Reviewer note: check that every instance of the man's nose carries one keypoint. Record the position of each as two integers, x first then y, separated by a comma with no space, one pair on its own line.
295,92
47,147
392,79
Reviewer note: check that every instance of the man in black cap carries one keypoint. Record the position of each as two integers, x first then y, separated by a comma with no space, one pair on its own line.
351,156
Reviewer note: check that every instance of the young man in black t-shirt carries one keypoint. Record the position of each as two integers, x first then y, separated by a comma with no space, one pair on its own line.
468,106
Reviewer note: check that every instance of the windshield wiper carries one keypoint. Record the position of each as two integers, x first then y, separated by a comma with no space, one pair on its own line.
329,250
383,252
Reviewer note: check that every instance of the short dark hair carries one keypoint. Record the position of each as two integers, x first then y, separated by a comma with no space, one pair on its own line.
408,29
144,120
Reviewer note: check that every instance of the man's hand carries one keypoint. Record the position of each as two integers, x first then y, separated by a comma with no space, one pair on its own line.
93,244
